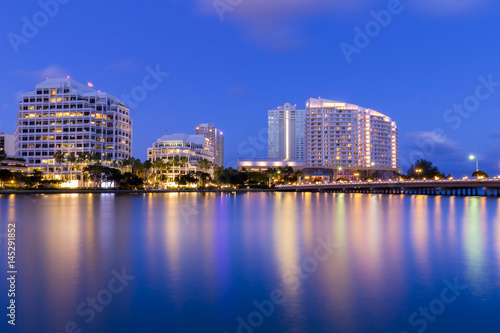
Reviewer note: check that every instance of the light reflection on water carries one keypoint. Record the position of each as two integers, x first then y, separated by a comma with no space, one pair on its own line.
201,260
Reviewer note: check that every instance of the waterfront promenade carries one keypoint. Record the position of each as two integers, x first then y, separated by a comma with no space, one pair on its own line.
462,187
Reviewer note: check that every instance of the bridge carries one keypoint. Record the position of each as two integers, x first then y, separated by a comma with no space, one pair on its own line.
462,187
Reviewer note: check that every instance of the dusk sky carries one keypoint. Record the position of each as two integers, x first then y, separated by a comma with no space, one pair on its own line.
431,56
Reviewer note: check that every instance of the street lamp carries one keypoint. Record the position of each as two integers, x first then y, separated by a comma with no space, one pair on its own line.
357,176
472,157
418,171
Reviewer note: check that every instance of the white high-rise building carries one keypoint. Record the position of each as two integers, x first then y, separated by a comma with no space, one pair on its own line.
287,133
192,148
67,116
349,136
216,140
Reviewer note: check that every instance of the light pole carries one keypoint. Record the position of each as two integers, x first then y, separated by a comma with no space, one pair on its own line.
472,157
418,171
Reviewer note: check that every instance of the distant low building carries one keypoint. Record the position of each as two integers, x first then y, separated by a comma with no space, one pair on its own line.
310,173
263,164
15,165
7,144
173,149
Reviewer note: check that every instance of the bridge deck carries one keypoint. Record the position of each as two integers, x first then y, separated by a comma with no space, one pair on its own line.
433,187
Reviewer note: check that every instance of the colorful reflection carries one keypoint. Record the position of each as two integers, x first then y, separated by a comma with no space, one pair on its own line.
203,261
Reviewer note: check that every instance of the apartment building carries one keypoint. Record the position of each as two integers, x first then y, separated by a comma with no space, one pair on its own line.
342,135
287,133
215,139
67,116
187,149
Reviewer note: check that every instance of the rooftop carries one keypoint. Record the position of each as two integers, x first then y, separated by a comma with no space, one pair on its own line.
194,138
75,87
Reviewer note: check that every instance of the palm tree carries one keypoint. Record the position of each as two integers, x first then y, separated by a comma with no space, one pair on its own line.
271,173
218,170
83,158
108,159
59,158
147,165
158,165
71,161
202,177
168,167
176,162
204,164
185,163
96,158
299,174
137,166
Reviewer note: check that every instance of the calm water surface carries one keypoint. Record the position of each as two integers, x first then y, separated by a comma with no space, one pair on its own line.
201,263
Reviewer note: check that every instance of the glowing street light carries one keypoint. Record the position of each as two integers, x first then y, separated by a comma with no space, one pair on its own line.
418,171
472,157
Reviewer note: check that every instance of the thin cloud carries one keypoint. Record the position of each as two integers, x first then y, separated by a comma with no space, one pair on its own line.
450,7
439,141
236,90
124,65
431,146
278,24
51,71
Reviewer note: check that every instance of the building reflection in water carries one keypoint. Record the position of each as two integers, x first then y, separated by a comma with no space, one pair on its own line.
217,253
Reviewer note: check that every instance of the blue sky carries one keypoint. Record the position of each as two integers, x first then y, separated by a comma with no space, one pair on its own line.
431,56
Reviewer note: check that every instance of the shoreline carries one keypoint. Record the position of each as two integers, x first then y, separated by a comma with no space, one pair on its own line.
89,191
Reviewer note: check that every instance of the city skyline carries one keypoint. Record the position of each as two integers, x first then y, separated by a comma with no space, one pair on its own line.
250,166
279,120
416,69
